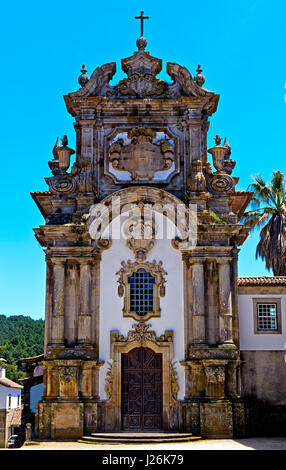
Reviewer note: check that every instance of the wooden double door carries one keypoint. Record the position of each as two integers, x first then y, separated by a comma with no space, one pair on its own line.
141,394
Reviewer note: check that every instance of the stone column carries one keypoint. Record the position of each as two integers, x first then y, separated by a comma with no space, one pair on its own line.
198,302
187,309
234,275
71,303
58,301
95,301
49,302
225,303
212,302
84,317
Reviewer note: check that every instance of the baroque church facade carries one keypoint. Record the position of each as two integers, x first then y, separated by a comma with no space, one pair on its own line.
141,239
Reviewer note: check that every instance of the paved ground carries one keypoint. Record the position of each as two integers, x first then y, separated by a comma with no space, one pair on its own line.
275,443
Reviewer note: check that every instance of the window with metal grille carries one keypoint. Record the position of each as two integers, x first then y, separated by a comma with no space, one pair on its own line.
141,292
266,316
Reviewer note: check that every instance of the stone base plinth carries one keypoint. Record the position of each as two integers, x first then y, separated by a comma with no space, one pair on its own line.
65,419
214,419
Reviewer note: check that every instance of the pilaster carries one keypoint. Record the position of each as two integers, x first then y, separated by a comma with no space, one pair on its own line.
58,301
225,303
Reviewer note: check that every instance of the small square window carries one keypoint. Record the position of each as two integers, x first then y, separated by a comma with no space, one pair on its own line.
267,315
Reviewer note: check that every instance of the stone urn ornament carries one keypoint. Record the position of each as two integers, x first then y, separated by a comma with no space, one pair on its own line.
64,153
218,153
221,154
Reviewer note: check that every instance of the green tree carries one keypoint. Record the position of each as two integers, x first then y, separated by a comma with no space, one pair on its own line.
20,337
269,212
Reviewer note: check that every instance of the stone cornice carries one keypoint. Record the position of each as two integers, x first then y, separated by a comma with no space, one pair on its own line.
76,105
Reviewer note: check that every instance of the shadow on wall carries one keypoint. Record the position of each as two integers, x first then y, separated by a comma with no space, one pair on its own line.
265,420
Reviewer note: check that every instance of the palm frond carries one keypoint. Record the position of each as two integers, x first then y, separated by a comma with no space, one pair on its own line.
272,218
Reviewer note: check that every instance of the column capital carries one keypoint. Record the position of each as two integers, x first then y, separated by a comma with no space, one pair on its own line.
191,259
58,261
224,260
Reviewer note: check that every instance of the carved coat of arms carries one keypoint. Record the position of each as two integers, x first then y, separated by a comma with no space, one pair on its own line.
142,158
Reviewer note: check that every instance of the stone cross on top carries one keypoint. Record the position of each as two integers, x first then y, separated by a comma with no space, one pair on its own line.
142,18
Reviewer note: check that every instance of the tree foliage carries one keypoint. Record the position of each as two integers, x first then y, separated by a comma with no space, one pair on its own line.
269,212
20,337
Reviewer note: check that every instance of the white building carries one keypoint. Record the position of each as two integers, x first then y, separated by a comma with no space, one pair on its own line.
10,407
262,335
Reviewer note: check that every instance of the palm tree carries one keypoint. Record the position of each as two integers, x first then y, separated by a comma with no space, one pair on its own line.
269,211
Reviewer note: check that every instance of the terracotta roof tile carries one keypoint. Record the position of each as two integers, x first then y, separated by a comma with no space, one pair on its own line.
262,281
9,383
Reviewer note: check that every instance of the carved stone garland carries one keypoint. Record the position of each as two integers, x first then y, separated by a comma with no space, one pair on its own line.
156,270
109,381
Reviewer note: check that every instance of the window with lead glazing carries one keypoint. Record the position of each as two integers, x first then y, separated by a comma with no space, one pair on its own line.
141,292
267,316
141,284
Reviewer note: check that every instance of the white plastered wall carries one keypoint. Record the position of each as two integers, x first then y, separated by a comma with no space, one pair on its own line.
172,306
249,341
4,397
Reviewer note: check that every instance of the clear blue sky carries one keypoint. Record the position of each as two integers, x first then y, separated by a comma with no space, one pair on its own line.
240,45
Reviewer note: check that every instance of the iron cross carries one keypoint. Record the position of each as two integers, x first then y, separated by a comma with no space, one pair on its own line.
142,18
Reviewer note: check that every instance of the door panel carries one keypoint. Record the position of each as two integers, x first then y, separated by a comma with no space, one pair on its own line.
141,395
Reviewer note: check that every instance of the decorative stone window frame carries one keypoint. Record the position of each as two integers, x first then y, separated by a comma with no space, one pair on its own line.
156,271
267,300
138,337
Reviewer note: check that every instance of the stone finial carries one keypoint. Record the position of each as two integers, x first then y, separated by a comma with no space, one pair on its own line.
229,164
199,78
226,144
217,139
83,78
56,146
141,43
64,141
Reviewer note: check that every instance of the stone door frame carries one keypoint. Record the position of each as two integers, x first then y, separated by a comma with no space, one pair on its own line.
139,337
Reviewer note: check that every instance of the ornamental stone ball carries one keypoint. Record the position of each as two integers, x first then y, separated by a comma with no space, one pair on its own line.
141,43
199,78
83,78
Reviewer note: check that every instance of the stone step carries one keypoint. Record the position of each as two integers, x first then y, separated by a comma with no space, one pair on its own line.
137,438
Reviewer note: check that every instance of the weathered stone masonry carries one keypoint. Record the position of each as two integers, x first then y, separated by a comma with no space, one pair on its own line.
119,129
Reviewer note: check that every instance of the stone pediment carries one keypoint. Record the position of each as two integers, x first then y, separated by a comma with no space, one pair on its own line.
141,62
142,82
